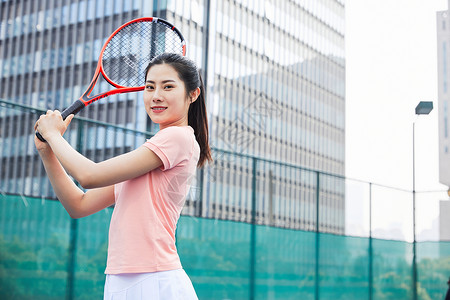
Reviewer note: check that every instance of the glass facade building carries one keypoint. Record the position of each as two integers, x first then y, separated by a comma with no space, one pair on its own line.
443,56
275,78
443,39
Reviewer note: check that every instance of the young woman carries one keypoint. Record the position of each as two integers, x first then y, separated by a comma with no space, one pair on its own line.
148,186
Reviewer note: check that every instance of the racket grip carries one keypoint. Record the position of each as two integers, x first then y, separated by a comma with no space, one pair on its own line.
72,109
39,136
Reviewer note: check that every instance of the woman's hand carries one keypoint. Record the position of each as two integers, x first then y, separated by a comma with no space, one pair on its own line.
50,124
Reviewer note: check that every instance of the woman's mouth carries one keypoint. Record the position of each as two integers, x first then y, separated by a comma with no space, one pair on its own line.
158,109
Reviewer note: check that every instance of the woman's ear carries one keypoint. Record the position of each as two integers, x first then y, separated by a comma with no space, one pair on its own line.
194,94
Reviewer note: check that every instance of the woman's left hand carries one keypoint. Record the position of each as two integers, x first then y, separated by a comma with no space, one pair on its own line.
52,123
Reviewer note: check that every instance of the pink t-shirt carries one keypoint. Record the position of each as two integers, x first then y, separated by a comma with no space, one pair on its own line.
147,208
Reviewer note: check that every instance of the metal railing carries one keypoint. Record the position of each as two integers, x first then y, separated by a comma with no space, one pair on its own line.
264,194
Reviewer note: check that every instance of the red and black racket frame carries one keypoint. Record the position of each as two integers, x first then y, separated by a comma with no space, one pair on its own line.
85,99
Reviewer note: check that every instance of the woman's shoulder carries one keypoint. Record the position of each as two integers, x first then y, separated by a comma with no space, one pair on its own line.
175,129
174,134
180,132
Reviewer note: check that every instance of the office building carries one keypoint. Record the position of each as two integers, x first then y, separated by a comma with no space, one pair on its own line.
275,77
443,43
444,221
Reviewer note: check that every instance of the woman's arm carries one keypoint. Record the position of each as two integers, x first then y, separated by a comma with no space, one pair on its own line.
77,203
88,173
93,175
58,157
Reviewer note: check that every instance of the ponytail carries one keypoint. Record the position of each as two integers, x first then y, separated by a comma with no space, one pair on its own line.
198,120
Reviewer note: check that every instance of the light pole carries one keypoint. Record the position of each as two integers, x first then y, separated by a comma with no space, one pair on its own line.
423,108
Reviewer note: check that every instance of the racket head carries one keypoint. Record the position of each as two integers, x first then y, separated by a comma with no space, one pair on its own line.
132,46
125,56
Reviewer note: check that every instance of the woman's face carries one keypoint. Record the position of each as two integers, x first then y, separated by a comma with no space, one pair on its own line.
165,97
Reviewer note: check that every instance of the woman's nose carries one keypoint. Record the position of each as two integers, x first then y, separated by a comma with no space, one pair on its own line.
156,95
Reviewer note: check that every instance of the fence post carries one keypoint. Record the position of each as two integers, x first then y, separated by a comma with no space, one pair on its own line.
370,244
73,232
199,212
253,232
72,258
414,262
198,209
317,278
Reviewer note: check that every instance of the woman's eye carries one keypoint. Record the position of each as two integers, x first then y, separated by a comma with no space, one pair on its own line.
149,87
168,87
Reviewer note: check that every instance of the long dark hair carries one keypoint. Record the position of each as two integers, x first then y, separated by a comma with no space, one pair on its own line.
197,117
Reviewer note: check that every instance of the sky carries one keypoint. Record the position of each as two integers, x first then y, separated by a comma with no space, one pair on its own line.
391,65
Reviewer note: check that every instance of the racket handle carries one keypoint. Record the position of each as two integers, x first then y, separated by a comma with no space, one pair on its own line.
72,109
39,136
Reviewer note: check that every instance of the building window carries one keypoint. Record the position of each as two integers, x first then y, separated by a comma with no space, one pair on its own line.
444,75
445,119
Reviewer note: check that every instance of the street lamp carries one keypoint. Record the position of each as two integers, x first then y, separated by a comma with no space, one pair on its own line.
423,108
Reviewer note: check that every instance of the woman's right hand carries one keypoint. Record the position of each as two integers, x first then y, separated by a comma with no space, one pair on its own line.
50,123
40,145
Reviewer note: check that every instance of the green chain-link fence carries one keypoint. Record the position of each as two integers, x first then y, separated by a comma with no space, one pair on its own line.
46,255
251,229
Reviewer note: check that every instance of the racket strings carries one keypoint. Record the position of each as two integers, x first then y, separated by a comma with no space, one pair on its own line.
130,50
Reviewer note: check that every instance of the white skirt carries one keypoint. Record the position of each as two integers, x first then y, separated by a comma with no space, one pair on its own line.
167,285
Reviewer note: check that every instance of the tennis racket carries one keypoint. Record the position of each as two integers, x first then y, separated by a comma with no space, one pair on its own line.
124,57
